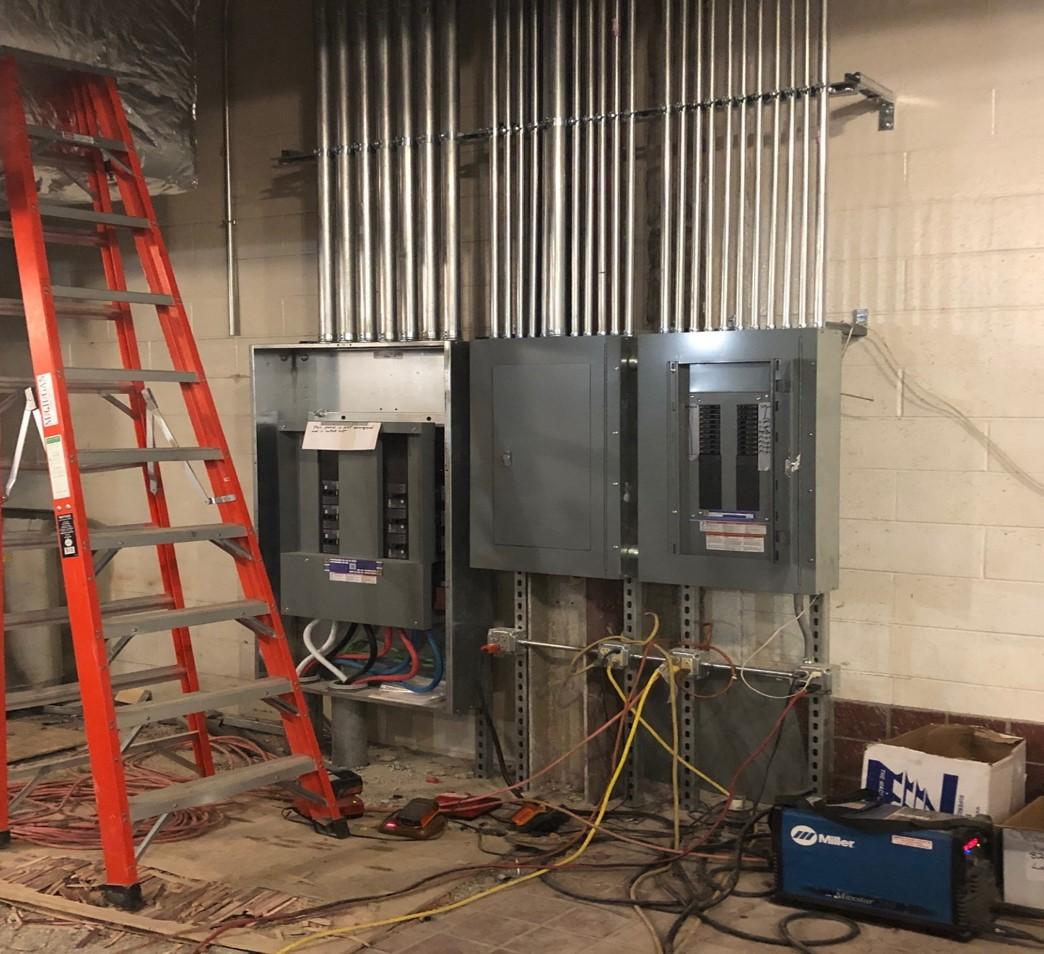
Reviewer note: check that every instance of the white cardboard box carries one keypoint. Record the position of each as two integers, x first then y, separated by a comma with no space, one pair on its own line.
958,769
1023,842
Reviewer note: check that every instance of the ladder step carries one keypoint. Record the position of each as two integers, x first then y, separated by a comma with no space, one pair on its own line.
57,615
13,308
144,713
115,458
135,535
79,293
19,771
220,787
103,380
55,210
158,621
61,236
50,134
106,375
70,691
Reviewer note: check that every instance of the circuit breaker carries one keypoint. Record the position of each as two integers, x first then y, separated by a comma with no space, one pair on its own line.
739,445
552,472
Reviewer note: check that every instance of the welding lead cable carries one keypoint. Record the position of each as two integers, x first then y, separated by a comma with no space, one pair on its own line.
317,654
371,636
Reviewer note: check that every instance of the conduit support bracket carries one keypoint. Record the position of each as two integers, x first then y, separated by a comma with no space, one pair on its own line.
858,84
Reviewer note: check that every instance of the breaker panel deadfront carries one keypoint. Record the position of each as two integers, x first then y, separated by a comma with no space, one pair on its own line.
361,466
739,435
552,473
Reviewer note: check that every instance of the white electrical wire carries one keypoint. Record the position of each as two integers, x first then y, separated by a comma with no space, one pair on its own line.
921,394
319,655
765,645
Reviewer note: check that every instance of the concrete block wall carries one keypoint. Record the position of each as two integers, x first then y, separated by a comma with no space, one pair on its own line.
937,228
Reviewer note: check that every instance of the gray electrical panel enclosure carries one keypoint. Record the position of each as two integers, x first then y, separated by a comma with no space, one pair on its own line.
549,490
739,459
373,534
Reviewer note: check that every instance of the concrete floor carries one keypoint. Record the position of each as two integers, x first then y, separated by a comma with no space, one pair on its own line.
256,847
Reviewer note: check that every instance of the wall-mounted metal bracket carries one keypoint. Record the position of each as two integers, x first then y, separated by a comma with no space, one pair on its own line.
857,84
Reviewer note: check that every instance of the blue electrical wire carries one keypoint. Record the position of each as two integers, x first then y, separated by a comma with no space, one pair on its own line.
439,666
438,672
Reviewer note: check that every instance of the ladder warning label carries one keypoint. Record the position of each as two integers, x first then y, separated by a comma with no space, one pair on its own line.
56,466
45,393
67,536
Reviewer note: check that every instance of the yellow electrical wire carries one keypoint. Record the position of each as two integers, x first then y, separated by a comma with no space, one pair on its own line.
496,889
659,738
614,638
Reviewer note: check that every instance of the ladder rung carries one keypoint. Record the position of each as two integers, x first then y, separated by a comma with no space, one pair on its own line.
55,210
13,308
57,615
16,772
79,293
220,787
114,458
103,380
50,134
60,236
132,624
128,375
119,538
143,713
70,691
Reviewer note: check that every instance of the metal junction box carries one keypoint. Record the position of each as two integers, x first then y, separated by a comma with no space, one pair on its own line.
739,451
363,520
552,473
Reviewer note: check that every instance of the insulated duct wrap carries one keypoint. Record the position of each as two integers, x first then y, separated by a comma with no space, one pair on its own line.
148,43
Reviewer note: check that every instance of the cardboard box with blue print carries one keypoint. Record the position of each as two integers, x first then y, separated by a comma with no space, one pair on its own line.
957,769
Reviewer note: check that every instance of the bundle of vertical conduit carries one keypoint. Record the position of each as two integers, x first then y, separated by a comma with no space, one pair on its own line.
663,159
61,813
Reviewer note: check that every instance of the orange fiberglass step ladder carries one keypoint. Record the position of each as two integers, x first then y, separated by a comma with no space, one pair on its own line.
94,135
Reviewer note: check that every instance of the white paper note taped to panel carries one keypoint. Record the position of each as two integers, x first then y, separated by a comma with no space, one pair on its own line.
341,435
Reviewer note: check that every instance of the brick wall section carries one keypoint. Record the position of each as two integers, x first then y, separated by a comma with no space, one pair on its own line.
858,723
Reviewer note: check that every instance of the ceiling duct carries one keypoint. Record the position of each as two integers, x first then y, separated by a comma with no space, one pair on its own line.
149,43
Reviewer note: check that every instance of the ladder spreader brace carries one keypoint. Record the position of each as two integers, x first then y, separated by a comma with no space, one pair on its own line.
99,134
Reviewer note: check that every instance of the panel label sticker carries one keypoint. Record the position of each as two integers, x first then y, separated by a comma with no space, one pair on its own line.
56,467
341,435
45,393
907,842
734,536
67,542
346,570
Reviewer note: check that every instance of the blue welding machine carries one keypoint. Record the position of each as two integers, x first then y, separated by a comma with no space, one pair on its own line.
915,869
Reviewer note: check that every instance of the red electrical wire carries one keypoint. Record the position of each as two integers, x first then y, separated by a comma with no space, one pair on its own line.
411,673
61,813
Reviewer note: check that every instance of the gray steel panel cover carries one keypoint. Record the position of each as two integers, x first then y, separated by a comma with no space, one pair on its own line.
545,466
793,378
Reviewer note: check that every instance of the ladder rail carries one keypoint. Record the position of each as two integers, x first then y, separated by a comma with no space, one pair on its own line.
130,355
99,706
199,400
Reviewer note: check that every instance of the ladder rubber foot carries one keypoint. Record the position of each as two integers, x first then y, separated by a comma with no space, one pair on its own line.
124,897
5,839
